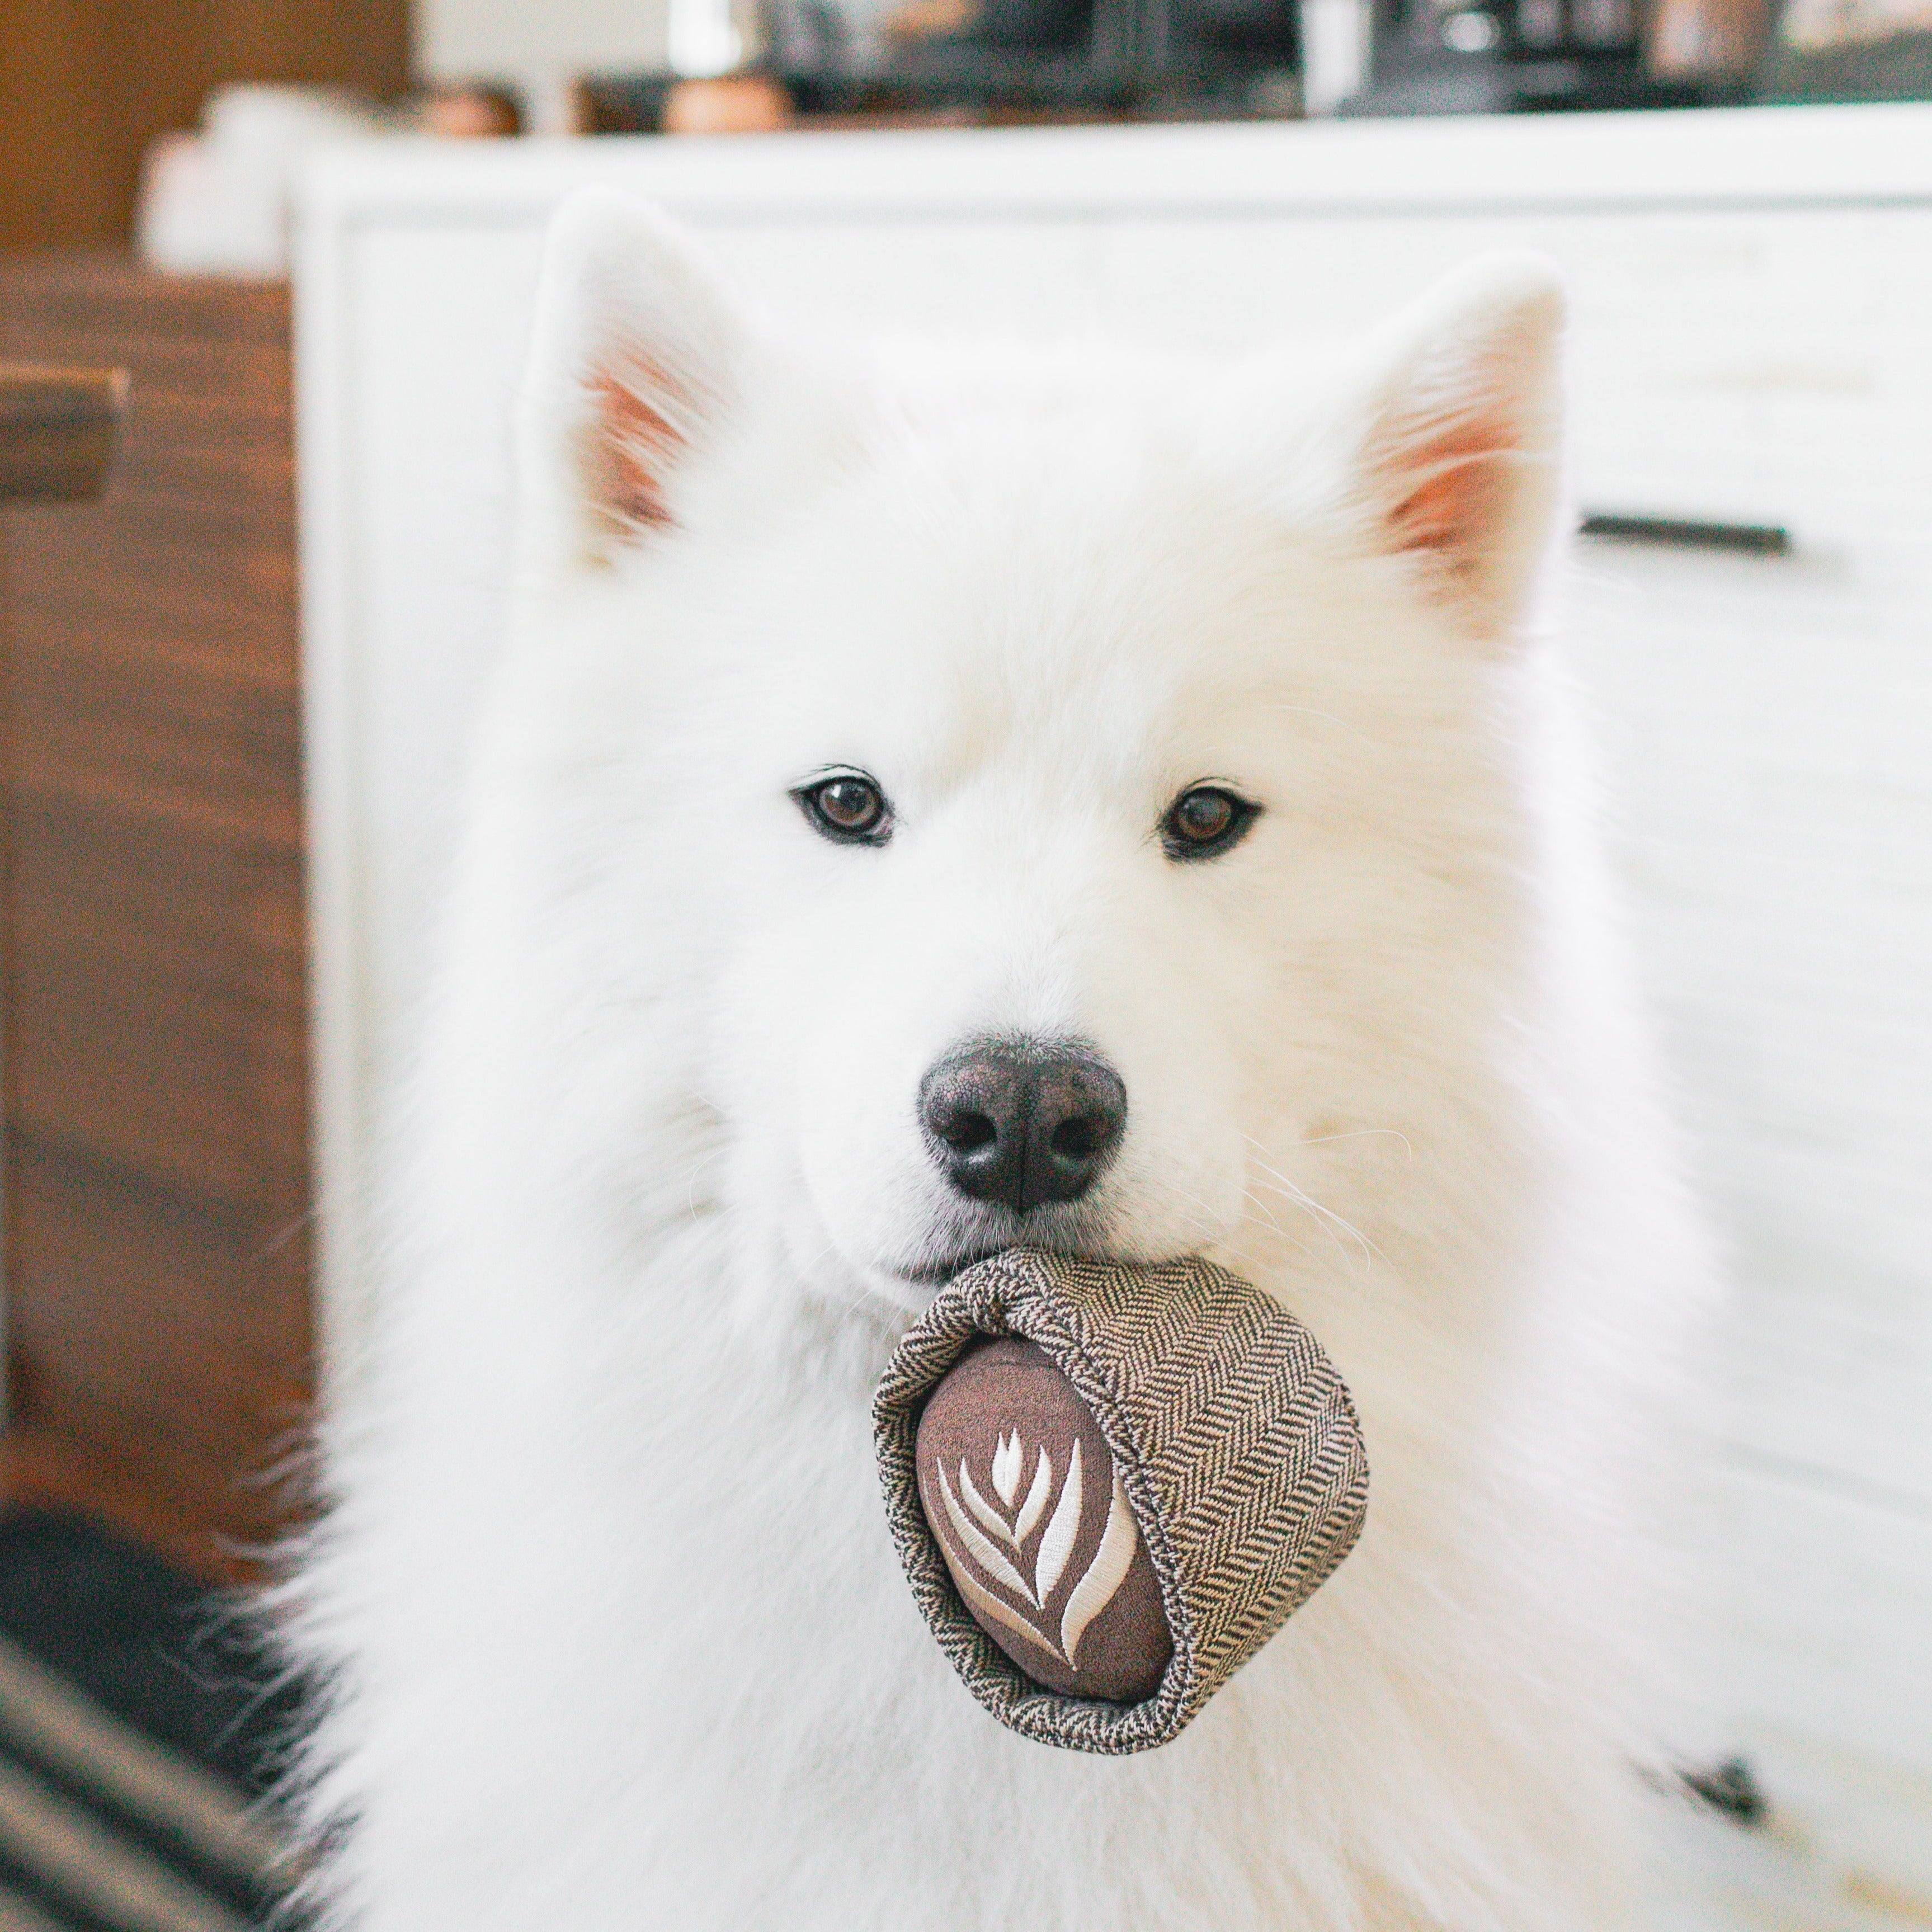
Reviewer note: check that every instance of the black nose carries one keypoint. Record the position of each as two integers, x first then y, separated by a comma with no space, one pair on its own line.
1021,1122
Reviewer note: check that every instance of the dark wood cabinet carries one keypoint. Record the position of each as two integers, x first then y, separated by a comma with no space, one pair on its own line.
151,984
86,84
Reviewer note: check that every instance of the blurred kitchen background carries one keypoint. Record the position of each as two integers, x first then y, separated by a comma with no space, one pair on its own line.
264,275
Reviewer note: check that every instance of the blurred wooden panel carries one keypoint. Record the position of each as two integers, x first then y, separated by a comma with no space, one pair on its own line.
85,86
152,1014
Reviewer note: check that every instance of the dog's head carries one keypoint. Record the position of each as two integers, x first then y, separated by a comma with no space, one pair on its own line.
1051,797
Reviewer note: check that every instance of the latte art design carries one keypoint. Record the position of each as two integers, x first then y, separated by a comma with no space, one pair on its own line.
1009,1555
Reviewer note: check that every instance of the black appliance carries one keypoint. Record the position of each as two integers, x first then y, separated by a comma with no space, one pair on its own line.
1497,56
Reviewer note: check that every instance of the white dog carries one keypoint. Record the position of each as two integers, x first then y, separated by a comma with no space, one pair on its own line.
1191,727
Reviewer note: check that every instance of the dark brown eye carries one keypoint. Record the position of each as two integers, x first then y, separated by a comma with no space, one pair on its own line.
1204,821
847,808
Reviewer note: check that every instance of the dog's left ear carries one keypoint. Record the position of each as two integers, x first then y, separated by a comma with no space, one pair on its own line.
638,373
1454,440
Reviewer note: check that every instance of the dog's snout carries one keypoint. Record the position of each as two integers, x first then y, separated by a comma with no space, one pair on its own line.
1018,1123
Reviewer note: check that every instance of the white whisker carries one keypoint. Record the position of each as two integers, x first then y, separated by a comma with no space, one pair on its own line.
1357,1134
1326,1217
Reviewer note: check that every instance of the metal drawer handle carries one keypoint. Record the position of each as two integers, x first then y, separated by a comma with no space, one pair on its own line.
1689,533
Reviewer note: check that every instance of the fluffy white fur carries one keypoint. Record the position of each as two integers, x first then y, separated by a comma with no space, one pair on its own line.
618,1637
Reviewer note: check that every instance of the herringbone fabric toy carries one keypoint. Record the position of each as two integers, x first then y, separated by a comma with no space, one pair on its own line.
1234,1444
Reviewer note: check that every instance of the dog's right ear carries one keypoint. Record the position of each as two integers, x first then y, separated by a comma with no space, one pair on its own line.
636,368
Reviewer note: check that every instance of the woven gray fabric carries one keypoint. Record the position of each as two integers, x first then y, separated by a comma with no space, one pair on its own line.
1238,1450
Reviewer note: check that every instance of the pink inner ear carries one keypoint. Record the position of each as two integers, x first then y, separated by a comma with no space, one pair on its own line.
1453,483
633,442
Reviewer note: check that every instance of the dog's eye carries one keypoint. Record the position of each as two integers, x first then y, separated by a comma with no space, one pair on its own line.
846,807
1204,821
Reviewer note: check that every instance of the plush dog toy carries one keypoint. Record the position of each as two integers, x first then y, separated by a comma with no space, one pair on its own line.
1111,1485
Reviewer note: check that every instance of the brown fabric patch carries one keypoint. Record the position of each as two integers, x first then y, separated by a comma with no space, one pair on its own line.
1021,1491
1238,1450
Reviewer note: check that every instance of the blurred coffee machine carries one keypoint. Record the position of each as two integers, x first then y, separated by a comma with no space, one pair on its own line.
1499,56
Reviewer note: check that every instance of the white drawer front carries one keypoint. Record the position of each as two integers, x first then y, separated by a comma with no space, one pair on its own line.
1741,366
